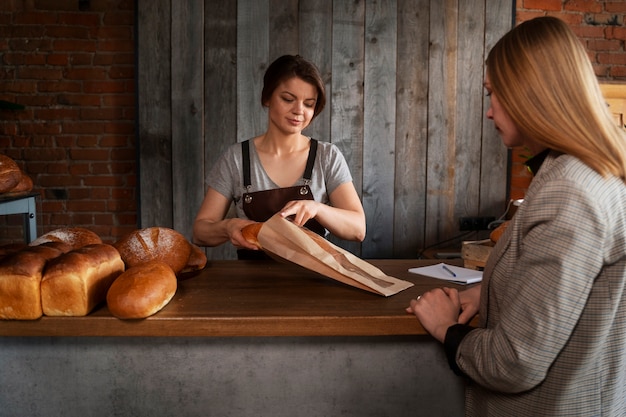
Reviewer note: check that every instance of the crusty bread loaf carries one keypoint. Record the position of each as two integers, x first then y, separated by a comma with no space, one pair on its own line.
197,260
142,290
20,280
251,233
155,244
74,283
498,231
10,173
76,237
25,184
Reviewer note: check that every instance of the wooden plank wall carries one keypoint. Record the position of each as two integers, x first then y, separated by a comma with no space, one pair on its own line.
406,105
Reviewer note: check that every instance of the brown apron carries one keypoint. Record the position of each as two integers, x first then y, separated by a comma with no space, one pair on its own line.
261,205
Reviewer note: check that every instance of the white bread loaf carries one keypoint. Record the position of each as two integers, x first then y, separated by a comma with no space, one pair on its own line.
76,237
142,290
20,280
155,244
74,283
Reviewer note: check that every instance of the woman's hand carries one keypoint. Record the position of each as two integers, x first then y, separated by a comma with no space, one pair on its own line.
470,302
233,228
343,217
301,210
437,310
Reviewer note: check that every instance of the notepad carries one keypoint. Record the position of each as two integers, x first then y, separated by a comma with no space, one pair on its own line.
456,274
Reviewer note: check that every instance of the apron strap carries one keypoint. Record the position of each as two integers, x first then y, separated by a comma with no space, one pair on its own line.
308,171
245,156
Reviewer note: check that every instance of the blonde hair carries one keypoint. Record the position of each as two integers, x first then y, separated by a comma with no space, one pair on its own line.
543,78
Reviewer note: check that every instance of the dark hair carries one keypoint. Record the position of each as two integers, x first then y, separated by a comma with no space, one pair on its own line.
289,66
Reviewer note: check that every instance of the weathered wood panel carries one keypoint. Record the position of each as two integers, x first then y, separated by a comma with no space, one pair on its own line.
405,105
187,112
468,113
154,114
316,44
411,127
220,92
379,126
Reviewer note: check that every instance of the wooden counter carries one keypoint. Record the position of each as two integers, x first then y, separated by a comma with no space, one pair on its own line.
257,298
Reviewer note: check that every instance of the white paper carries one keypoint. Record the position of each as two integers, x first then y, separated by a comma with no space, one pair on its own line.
445,271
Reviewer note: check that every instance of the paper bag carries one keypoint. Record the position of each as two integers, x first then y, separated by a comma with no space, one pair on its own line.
282,239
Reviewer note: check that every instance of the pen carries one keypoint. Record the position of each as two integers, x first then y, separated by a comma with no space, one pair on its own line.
448,270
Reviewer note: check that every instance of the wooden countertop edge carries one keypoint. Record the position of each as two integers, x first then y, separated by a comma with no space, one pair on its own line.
216,326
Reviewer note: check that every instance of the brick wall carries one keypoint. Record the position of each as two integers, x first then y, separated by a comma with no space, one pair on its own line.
71,63
601,26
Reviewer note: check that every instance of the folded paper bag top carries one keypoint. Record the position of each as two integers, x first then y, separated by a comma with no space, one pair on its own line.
281,238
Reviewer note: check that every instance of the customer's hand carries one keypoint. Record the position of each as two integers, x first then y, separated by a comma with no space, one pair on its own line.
437,310
470,302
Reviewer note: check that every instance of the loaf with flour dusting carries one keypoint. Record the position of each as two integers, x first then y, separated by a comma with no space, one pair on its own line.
155,244
76,237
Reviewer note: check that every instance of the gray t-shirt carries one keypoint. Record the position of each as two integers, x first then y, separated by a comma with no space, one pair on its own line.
330,170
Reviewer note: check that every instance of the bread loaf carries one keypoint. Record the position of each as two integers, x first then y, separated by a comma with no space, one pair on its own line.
10,173
10,249
74,283
197,260
142,290
25,184
76,237
155,244
251,233
20,280
498,231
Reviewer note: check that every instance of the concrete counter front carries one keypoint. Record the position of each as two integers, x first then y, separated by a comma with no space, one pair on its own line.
243,338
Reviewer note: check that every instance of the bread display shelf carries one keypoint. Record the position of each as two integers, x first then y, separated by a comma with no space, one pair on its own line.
255,298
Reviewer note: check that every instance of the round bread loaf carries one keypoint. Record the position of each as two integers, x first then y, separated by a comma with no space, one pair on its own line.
25,184
10,174
251,233
76,237
142,290
155,244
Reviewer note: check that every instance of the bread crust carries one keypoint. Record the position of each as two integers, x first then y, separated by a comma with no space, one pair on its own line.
197,260
251,233
20,280
75,283
25,184
10,174
496,233
142,290
155,244
76,237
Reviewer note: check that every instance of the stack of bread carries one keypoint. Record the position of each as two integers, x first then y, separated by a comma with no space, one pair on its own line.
12,178
69,271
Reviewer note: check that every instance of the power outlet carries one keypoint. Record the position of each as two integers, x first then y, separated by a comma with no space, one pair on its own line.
475,223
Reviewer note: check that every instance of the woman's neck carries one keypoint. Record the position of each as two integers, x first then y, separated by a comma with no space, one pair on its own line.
271,142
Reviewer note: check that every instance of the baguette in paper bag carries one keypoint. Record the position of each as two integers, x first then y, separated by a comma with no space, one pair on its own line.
282,239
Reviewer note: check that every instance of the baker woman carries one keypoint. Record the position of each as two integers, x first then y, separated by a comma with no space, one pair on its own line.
282,170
